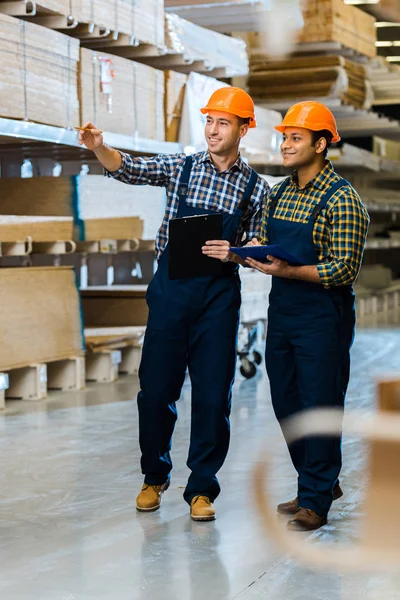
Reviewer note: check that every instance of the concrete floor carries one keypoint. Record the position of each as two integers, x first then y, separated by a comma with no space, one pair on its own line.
69,477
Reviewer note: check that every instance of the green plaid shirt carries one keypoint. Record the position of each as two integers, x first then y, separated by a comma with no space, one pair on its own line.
340,230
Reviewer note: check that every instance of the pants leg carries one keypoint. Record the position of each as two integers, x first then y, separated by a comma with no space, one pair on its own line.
162,374
280,363
318,358
212,363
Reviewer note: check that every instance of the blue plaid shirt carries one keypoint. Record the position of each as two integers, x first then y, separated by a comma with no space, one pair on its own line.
208,188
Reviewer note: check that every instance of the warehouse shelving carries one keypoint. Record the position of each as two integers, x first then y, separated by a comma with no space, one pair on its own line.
34,140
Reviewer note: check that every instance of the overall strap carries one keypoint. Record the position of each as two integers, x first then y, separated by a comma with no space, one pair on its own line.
244,205
248,192
184,179
327,196
278,196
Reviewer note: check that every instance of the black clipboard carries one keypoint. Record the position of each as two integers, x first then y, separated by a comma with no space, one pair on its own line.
186,237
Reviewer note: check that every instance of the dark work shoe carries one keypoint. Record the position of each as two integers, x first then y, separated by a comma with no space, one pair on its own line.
306,519
290,508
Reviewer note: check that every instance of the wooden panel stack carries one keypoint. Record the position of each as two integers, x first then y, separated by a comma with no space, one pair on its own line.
121,96
175,85
59,197
311,77
39,74
142,19
40,318
334,21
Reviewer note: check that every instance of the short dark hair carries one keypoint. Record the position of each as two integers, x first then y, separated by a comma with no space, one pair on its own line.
317,135
244,121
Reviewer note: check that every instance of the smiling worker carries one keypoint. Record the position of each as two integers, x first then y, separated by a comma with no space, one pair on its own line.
318,217
193,322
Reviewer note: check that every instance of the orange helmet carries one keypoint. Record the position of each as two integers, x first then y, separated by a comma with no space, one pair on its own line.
232,100
310,115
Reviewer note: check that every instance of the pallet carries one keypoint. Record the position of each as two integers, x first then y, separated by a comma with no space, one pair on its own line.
27,246
34,381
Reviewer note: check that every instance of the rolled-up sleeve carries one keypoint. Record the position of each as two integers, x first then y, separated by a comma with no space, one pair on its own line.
349,222
155,170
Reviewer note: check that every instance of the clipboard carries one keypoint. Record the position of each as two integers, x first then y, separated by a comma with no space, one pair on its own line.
260,253
186,237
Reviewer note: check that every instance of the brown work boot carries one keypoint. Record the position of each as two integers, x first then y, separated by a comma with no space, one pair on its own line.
290,508
149,498
306,519
201,509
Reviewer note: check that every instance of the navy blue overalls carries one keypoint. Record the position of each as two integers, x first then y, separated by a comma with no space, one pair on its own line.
192,323
310,333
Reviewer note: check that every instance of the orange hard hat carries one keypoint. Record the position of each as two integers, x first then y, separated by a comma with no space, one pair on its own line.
232,100
310,115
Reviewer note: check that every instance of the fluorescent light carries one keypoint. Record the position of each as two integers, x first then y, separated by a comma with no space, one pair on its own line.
386,24
361,1
383,44
393,58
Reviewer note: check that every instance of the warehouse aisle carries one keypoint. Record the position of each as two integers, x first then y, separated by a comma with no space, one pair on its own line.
68,480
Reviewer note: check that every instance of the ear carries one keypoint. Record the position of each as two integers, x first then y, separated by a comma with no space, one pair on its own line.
243,130
320,146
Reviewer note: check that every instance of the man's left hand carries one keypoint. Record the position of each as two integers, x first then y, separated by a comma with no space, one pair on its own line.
217,249
277,267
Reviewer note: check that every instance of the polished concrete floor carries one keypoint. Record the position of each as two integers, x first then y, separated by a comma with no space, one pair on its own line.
68,480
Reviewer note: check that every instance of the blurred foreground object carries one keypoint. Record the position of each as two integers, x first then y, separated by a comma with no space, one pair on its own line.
379,546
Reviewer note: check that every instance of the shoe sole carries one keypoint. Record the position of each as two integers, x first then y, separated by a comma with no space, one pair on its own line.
152,509
294,528
203,518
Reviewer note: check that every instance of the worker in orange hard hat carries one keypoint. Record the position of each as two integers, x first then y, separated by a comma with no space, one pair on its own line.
318,218
193,320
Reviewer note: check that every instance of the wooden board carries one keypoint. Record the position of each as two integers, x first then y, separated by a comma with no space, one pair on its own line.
39,74
332,77
40,317
121,96
40,229
122,228
332,20
115,306
175,85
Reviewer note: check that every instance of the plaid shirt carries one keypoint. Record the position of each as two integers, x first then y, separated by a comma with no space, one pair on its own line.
340,230
208,188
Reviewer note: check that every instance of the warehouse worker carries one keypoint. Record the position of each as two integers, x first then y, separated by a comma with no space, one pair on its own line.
318,217
193,322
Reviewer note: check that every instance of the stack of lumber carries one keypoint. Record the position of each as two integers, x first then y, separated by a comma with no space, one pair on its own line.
39,74
59,197
98,339
40,319
142,19
311,77
116,306
263,141
324,20
197,44
335,21
236,15
189,47
385,81
389,149
121,96
175,86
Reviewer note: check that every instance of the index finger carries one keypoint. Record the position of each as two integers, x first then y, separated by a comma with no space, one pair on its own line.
217,243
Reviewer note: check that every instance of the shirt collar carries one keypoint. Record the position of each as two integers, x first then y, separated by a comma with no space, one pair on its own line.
320,180
204,157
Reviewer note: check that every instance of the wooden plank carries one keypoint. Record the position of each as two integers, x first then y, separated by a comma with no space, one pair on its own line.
40,319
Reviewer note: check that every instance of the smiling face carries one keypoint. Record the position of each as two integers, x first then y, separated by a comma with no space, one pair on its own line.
298,149
223,132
